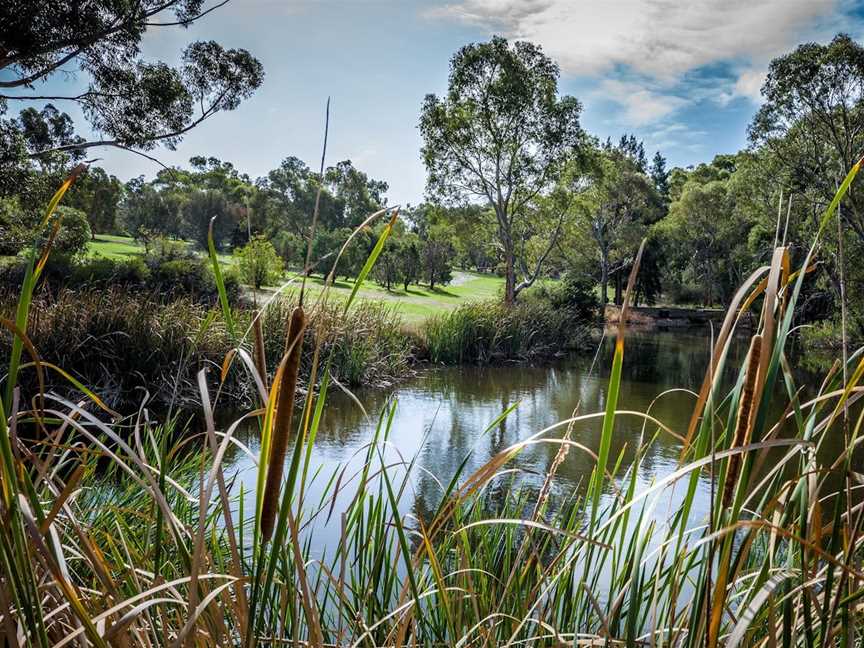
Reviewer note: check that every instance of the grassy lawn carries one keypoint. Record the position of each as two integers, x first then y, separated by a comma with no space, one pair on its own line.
124,247
418,303
114,247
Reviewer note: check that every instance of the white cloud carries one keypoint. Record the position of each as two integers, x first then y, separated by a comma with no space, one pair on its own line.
662,39
641,104
749,84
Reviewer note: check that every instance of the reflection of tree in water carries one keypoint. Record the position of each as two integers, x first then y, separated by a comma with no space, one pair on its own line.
470,398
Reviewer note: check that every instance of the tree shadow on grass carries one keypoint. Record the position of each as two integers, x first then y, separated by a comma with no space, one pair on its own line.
443,292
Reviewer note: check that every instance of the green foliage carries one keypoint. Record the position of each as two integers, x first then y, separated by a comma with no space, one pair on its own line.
288,194
700,235
130,100
74,232
15,231
617,203
574,293
147,212
290,247
258,263
98,195
199,208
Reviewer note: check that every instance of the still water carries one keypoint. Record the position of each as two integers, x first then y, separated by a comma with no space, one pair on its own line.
444,415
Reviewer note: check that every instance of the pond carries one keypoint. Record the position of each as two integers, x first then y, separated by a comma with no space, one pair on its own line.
444,415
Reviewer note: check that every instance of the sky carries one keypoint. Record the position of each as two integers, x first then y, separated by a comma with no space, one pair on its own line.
684,77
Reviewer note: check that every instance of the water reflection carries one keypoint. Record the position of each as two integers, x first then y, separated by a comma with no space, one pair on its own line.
444,416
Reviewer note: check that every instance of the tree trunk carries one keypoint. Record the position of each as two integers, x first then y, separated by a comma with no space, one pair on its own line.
604,280
509,280
618,296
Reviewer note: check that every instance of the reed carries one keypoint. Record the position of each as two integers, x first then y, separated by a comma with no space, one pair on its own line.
495,558
281,430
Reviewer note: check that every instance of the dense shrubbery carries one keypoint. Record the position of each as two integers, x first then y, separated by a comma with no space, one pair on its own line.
168,271
574,292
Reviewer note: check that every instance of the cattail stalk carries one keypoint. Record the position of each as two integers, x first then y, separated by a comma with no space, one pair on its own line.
744,421
258,342
282,421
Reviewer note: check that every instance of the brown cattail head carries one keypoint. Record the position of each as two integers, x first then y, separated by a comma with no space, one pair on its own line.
282,421
258,341
744,420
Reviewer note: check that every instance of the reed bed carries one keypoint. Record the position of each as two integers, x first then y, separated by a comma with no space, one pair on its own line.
491,332
777,560
120,342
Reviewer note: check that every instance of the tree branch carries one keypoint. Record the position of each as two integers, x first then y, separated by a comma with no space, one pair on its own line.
186,23
529,281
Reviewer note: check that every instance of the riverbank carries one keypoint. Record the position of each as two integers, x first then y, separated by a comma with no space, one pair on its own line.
669,317
126,344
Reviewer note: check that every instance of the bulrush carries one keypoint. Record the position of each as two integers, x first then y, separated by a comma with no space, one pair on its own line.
258,348
282,421
744,421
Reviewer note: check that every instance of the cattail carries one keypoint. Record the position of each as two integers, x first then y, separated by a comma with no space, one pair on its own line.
258,350
282,421
744,421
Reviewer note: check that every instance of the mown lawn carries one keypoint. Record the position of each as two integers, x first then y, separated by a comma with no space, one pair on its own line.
114,247
124,247
418,303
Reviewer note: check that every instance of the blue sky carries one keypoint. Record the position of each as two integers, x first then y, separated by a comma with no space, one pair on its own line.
684,77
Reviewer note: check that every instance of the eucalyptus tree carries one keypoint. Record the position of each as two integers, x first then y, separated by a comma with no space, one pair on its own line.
499,136
617,203
131,101
813,117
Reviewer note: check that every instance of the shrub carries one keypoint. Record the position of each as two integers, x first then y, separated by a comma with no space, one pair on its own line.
102,271
74,233
175,270
169,274
574,292
191,277
258,263
15,232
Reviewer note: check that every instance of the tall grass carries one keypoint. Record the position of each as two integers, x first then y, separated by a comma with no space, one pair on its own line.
776,562
120,342
488,332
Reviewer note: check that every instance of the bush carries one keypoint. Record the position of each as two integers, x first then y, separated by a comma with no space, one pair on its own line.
190,277
15,232
258,263
74,233
102,271
167,275
574,292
